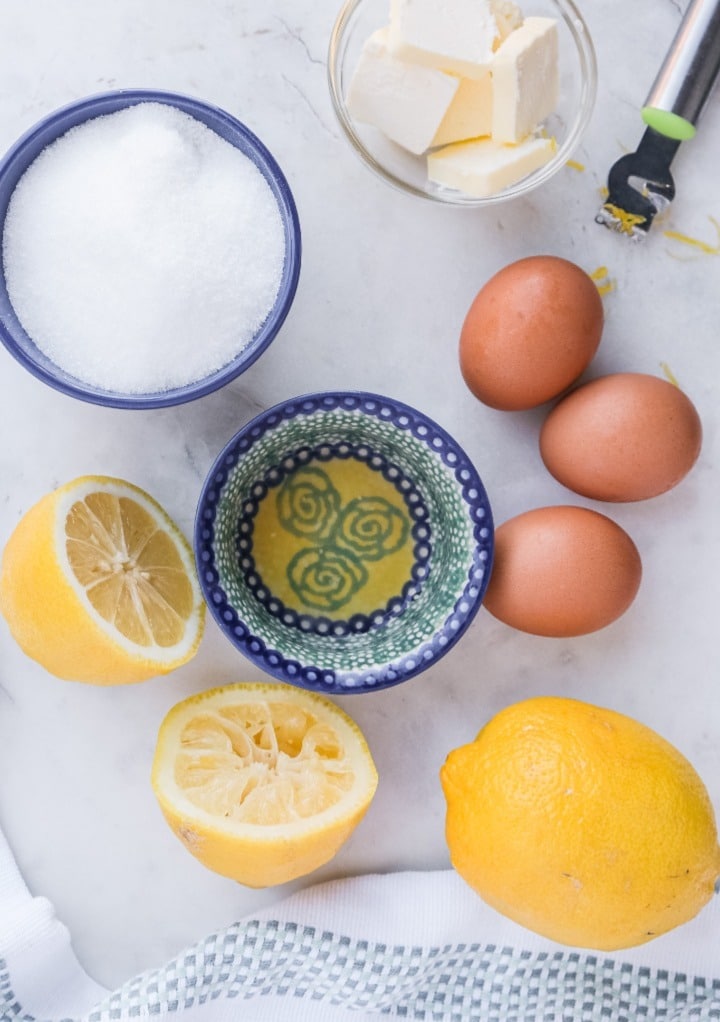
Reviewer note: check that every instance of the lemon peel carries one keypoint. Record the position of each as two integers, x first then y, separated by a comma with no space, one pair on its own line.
98,584
581,824
669,374
700,246
627,222
603,281
262,782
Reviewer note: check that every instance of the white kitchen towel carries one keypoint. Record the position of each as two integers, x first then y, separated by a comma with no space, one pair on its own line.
412,946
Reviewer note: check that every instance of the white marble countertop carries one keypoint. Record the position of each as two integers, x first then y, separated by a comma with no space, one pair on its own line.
385,284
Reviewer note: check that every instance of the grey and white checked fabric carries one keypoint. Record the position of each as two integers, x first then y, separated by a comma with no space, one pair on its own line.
413,946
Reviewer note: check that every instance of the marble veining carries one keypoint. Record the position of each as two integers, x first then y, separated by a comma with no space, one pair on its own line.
385,285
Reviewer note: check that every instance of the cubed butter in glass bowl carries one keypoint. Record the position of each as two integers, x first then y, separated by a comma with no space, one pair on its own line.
465,102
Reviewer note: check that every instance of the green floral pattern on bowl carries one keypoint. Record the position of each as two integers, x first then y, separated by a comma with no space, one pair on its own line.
327,574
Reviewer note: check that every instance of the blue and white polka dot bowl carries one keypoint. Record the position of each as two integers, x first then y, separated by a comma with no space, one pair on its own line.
344,542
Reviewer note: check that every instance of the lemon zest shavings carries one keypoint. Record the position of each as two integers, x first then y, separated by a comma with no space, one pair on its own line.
580,167
603,282
669,374
626,221
696,243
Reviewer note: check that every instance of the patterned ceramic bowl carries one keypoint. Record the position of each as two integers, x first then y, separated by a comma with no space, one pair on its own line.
344,542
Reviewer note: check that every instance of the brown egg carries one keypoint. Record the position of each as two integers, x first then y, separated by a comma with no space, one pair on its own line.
531,331
562,571
623,437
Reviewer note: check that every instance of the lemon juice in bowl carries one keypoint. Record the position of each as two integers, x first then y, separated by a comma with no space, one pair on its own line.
343,541
334,538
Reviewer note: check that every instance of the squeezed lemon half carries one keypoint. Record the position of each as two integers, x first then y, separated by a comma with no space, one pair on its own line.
98,584
262,782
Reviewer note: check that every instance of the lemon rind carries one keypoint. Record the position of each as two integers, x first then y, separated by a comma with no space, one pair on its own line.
177,804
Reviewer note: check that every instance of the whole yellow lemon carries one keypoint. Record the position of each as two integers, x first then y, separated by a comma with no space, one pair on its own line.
580,824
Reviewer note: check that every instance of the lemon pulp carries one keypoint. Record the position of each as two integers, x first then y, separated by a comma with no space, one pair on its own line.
263,763
262,782
98,584
130,568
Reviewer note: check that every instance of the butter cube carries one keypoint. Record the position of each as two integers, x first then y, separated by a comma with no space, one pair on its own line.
508,16
454,35
525,79
404,101
470,113
484,167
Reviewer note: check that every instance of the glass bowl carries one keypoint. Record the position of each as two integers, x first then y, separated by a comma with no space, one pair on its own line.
343,542
16,161
356,22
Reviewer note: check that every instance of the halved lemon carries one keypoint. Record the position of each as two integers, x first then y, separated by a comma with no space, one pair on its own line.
98,584
262,782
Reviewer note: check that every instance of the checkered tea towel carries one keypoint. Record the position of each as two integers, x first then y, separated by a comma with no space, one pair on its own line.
413,946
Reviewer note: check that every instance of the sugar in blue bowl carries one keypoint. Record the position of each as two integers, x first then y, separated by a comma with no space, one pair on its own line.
27,332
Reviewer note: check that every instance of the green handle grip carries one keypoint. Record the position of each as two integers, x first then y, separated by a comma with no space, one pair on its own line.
668,124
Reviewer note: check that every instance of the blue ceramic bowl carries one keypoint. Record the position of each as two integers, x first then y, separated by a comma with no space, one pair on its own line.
26,149
343,541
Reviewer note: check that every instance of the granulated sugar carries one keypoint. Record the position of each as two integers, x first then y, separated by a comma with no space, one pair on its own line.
142,251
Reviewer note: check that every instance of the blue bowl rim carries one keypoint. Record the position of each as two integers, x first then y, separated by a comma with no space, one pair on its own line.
108,102
216,598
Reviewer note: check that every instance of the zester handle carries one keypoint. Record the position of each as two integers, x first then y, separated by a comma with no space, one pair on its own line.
686,78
